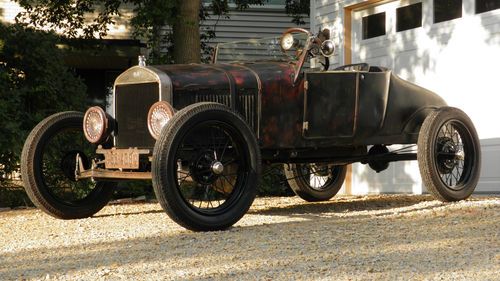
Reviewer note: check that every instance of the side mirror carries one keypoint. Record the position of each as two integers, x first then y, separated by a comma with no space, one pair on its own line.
327,48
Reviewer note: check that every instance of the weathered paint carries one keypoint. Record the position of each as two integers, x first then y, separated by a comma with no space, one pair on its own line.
276,105
340,108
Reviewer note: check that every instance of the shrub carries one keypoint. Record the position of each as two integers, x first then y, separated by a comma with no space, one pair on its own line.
34,83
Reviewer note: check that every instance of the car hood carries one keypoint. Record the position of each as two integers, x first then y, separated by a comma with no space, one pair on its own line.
202,80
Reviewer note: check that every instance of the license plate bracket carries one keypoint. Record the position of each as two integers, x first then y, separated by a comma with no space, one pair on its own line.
122,158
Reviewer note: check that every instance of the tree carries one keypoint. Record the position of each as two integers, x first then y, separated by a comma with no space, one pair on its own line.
72,17
34,83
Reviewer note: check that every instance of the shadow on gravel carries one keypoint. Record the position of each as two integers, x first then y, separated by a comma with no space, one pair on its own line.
331,247
348,204
128,213
336,205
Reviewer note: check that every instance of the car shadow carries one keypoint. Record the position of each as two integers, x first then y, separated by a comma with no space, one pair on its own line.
326,238
345,204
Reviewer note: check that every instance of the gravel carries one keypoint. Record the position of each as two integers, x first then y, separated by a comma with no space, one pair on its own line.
396,237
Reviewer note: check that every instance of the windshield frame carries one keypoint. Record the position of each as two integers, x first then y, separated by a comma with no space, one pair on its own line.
283,56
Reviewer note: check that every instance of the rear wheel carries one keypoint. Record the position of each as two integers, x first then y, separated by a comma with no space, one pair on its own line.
315,182
48,164
206,167
449,154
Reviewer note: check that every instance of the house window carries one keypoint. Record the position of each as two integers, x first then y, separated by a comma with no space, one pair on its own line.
486,5
447,10
409,17
373,25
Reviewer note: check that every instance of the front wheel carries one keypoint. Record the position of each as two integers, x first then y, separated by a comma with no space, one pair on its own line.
315,182
48,164
449,154
206,167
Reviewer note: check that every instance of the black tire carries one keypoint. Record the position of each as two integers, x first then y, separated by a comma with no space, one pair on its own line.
47,162
449,154
184,177
327,180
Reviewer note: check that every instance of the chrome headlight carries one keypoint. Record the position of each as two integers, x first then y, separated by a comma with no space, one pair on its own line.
327,48
95,125
287,42
159,115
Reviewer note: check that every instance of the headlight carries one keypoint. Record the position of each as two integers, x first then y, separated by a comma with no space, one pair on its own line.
95,125
287,41
158,116
327,48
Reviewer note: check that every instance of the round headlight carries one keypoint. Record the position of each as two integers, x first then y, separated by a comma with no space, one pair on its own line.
95,124
327,48
158,116
287,41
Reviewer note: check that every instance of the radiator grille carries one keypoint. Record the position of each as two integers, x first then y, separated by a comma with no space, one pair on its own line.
245,102
247,107
132,103
185,98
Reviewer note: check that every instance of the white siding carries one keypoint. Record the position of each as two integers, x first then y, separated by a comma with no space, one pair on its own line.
120,30
8,10
457,59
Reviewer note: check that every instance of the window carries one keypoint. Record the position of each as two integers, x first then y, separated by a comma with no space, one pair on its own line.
409,17
486,5
373,25
447,10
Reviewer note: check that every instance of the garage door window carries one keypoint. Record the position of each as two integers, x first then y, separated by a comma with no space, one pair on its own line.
373,25
409,17
447,10
486,5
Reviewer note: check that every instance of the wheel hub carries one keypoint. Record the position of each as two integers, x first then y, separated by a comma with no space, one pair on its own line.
206,169
449,154
217,167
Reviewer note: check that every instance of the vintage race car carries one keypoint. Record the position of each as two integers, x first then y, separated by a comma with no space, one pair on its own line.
201,133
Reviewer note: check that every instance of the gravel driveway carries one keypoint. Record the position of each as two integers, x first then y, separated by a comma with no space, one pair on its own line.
349,238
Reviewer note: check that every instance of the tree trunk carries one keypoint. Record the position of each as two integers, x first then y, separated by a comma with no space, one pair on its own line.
186,33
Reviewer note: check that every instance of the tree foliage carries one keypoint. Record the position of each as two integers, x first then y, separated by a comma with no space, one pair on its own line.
297,9
34,83
92,18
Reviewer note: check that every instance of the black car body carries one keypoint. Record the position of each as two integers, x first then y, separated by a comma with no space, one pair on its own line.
171,120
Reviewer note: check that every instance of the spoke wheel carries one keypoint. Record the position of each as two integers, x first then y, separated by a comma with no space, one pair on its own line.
449,154
315,182
48,165
206,166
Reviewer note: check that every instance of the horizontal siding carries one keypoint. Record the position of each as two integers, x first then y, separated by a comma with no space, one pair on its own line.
120,30
490,174
8,10
253,23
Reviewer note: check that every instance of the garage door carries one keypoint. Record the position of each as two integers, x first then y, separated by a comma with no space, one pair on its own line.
452,50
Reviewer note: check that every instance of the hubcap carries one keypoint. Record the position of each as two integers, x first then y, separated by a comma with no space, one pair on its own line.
452,155
218,165
217,168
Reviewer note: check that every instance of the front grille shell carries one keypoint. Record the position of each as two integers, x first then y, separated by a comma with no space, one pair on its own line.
132,103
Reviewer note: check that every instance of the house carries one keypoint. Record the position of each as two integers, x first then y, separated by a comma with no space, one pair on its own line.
99,62
449,46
